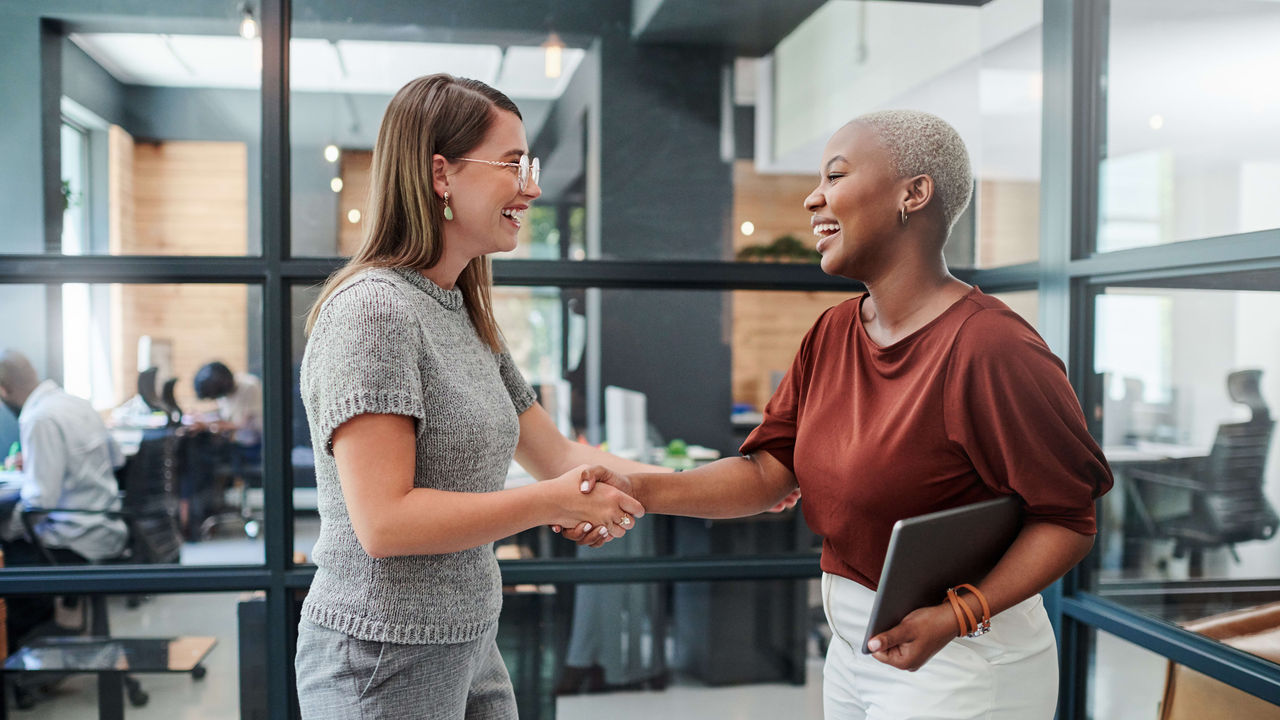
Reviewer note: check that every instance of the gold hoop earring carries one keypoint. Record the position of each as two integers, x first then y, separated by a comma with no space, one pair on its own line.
448,211
904,215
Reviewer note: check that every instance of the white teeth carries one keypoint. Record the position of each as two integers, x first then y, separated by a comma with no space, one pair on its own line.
515,215
825,228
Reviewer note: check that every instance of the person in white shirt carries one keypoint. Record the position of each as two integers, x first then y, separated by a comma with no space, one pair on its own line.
68,462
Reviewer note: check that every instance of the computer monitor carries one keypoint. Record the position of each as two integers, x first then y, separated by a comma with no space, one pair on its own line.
626,422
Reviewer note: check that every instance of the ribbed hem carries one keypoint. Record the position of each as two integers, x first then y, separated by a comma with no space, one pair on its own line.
364,628
365,402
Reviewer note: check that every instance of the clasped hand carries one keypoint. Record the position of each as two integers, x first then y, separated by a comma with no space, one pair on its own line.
596,516
920,635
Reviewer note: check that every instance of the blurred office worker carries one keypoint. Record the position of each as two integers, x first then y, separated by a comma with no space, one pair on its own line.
68,462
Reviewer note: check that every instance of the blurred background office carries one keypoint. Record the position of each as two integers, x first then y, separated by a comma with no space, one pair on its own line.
179,177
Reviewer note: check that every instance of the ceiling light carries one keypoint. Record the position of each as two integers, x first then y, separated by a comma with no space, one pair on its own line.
553,53
1156,122
331,152
336,184
353,216
748,228
248,25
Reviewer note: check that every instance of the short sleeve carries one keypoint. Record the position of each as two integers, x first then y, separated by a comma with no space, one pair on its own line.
362,357
522,395
776,433
1010,407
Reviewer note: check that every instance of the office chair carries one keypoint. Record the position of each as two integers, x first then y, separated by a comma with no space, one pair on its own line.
160,401
1227,503
170,402
153,537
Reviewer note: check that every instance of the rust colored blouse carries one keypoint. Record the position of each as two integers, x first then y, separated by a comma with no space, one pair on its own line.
967,408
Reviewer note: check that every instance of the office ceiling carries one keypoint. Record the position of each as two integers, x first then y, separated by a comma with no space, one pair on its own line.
750,28
342,66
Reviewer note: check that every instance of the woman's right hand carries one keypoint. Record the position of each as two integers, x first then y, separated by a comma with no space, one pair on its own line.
609,511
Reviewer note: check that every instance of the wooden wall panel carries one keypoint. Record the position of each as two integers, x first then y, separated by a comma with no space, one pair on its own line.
178,198
773,203
768,326
190,198
767,330
120,229
1008,222
355,170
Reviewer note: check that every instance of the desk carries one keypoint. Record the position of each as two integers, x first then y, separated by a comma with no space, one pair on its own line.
111,658
1131,532
10,494
1143,452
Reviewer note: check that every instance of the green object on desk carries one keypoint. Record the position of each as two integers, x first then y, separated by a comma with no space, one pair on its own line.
14,449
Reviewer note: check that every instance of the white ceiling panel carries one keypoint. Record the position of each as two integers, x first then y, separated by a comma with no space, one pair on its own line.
524,72
317,65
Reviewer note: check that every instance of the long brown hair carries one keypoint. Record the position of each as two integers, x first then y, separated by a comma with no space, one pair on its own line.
434,114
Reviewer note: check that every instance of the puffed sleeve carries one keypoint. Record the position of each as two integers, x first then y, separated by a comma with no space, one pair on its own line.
363,357
1011,409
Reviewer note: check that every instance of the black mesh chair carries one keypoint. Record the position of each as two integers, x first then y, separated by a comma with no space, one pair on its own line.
1227,504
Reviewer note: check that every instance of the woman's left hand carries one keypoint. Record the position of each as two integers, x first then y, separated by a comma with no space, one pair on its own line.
920,635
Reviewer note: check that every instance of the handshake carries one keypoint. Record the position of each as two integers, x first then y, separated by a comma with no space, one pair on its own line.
596,505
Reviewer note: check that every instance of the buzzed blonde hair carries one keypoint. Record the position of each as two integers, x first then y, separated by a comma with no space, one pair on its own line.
921,143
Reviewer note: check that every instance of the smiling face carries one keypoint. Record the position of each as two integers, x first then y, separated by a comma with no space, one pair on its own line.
488,206
855,206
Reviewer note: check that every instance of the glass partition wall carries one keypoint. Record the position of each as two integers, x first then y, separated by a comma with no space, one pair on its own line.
1171,277
661,285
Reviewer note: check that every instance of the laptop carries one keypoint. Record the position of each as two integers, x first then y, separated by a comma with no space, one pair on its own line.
929,553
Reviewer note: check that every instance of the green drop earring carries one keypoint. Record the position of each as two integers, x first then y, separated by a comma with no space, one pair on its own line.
448,211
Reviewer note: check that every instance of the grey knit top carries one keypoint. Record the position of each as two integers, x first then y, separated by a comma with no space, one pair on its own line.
393,342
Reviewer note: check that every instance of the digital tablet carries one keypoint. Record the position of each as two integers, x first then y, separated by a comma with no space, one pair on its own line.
929,553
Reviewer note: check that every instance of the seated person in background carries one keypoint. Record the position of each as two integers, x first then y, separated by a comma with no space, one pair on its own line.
68,461
233,439
239,398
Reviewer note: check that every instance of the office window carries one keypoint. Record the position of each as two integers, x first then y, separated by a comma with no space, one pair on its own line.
1187,377
138,354
1126,681
977,68
160,143
344,72
1190,149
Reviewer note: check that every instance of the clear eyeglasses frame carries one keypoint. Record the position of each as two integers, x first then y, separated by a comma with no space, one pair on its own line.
526,169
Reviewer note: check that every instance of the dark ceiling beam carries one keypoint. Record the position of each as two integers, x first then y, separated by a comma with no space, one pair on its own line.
748,27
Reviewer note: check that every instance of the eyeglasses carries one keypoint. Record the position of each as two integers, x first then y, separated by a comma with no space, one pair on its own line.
526,169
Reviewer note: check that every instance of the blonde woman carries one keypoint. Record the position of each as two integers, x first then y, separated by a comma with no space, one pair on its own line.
416,410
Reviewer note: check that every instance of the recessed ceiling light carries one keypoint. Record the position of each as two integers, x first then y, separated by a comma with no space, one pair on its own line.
336,184
331,153
748,228
1156,122
353,216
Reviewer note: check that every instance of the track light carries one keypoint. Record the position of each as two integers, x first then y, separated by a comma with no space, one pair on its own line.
248,25
553,55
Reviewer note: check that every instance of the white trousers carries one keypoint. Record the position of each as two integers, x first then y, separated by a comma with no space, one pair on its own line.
1011,673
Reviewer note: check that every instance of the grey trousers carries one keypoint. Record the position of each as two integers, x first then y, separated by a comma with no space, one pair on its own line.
344,678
